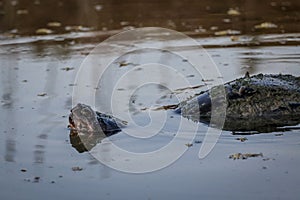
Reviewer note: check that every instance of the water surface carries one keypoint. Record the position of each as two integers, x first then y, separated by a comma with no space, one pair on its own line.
37,76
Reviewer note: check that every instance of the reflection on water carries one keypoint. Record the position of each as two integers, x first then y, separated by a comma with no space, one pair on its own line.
46,118
9,89
10,150
203,17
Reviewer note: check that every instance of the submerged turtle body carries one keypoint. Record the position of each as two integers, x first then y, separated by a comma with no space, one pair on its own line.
260,103
251,103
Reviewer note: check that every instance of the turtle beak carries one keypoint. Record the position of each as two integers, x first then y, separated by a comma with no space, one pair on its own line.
71,123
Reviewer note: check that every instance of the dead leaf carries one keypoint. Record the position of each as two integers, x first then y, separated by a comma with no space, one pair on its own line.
43,31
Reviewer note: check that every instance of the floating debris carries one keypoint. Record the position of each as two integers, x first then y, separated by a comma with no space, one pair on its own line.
67,68
54,24
77,169
233,12
189,88
78,28
278,134
14,31
36,179
273,3
226,20
98,7
245,155
124,63
266,159
242,139
42,94
214,28
124,23
234,38
37,2
127,28
227,32
167,107
200,29
189,144
265,25
22,12
43,31
14,2
190,76
207,80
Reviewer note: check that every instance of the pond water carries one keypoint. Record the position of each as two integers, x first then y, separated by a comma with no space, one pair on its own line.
38,75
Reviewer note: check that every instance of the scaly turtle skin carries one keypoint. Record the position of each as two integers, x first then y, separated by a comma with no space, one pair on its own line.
89,127
254,103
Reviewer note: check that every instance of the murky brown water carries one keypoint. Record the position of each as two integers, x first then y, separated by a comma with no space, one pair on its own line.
37,74
196,17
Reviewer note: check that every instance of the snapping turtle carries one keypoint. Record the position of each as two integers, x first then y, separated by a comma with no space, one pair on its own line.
88,127
260,103
257,103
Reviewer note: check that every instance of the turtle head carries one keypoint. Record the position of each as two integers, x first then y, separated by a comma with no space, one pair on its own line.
83,119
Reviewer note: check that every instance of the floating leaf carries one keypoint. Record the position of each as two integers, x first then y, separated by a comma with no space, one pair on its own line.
78,28
233,12
77,168
234,38
22,12
124,64
189,88
214,28
265,25
227,32
242,139
124,23
226,20
278,134
67,68
245,155
54,24
200,29
36,179
98,7
43,31
166,107
189,144
14,2
42,94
